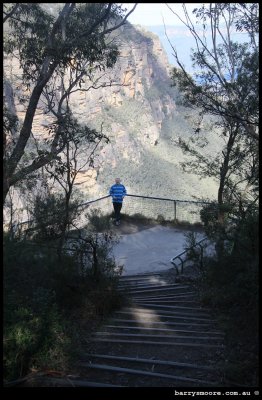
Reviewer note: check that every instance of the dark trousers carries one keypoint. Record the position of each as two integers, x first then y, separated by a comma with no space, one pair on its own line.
117,208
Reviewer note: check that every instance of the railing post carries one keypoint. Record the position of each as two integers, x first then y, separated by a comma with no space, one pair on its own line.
182,264
201,255
174,211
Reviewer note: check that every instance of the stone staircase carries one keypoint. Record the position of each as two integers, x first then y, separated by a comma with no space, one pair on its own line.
163,338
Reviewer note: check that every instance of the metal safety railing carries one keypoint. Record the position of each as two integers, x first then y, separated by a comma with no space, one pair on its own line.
157,208
181,258
171,209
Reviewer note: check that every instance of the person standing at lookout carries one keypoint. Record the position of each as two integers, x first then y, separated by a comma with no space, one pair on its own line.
118,192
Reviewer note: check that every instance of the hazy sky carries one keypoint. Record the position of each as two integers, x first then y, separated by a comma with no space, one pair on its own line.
147,14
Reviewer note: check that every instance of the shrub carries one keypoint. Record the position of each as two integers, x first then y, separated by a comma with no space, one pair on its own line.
97,221
49,215
30,308
35,339
42,297
230,287
229,284
160,219
193,252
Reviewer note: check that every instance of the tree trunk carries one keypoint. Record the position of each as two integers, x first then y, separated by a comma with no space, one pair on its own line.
220,198
5,186
95,263
68,193
65,224
221,214
18,151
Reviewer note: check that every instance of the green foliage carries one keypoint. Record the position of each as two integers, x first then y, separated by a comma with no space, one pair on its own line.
230,286
160,218
49,214
31,318
10,121
42,294
193,252
224,85
231,289
99,239
75,44
209,217
159,90
31,30
239,228
178,78
139,217
97,221
104,297
153,93
35,339
127,115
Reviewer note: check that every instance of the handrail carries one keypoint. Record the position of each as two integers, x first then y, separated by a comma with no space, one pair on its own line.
129,195
78,206
184,252
55,247
93,201
161,198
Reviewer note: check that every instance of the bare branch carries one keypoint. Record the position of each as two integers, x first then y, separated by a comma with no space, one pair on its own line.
9,15
215,106
53,175
27,125
198,40
64,14
103,18
36,164
121,23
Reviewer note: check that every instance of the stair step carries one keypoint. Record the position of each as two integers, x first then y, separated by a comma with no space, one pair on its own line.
138,302
141,275
162,323
159,329
138,335
146,373
163,296
146,284
160,289
79,383
172,315
151,288
108,340
195,309
148,326
151,361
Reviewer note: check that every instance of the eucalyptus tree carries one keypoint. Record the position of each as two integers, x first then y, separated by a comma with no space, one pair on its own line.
226,79
75,43
225,86
77,156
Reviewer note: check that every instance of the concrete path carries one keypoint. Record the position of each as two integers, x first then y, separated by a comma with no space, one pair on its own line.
150,249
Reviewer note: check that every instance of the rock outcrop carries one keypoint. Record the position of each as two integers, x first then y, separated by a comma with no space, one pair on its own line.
141,115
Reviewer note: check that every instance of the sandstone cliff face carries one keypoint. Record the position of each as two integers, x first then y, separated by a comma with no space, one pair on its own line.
143,120
141,115
136,76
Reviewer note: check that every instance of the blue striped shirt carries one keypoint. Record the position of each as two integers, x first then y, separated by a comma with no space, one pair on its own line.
117,191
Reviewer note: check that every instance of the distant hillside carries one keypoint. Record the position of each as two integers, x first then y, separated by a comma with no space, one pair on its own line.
182,41
143,119
179,37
